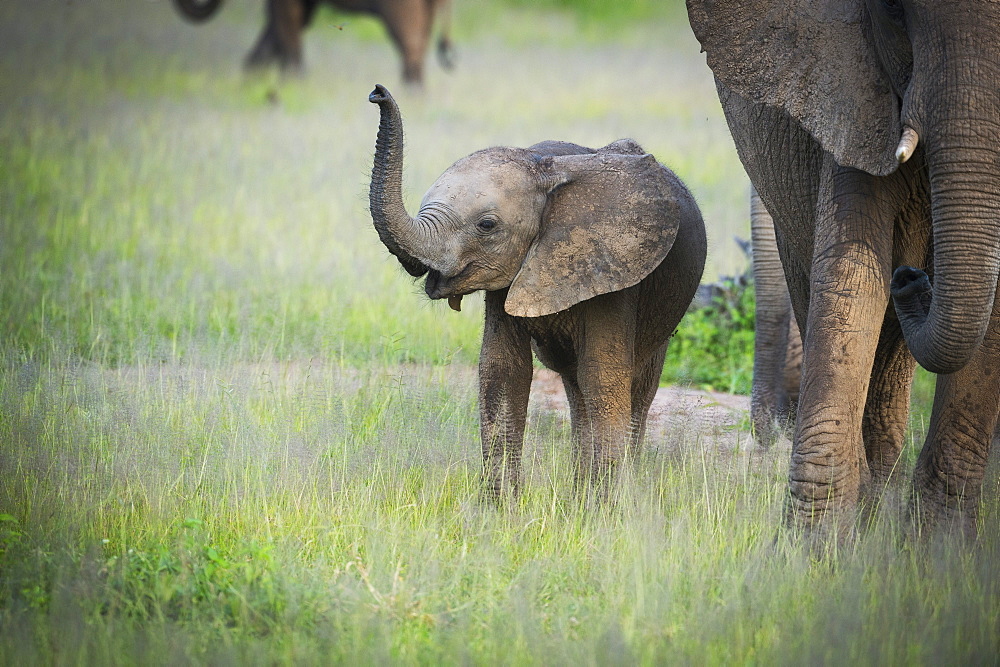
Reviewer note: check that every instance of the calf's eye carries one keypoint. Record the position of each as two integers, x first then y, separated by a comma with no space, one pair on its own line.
486,224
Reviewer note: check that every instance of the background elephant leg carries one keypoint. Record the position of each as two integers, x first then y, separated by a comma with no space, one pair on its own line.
644,386
440,11
848,299
504,384
949,474
308,11
264,51
281,40
887,408
409,26
773,315
792,373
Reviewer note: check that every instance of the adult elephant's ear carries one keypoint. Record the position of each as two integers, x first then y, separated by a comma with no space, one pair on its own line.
810,58
610,220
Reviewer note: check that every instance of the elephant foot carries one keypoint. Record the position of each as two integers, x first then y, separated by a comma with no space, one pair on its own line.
822,528
498,494
768,428
446,54
292,67
288,68
884,477
269,54
599,485
882,502
935,512
823,504
413,75
262,55
764,433
947,482
501,481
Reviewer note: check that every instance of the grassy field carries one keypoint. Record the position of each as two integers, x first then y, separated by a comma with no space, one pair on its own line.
232,431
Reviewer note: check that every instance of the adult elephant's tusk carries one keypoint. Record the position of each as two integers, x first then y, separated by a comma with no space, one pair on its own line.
907,144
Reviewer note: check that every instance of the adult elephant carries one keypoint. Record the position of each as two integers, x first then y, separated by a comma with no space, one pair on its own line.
409,23
871,130
777,348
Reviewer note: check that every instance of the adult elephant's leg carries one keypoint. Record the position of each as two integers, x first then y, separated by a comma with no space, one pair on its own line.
504,385
949,474
409,26
281,40
849,283
773,315
887,408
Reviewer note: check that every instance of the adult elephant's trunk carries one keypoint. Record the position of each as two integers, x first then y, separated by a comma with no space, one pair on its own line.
394,225
944,326
197,10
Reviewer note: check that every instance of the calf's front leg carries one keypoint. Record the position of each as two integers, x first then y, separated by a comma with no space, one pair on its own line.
504,384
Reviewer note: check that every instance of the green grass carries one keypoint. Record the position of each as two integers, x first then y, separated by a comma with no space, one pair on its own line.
713,345
305,512
231,430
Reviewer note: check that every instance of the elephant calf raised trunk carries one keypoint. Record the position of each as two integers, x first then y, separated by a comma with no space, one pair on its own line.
591,255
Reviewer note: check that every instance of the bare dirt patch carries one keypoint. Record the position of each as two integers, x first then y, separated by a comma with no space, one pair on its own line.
674,409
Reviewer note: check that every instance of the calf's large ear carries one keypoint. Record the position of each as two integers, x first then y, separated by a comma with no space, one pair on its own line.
610,220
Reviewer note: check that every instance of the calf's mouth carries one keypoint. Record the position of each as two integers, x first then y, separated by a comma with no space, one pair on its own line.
437,286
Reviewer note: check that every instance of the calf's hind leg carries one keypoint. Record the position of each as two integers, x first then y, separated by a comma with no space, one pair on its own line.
582,435
644,386
604,374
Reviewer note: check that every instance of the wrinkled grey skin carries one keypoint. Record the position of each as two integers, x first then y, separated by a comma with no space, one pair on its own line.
409,23
589,257
777,360
817,94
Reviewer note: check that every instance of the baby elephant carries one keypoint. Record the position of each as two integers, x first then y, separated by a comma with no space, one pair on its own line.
589,256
